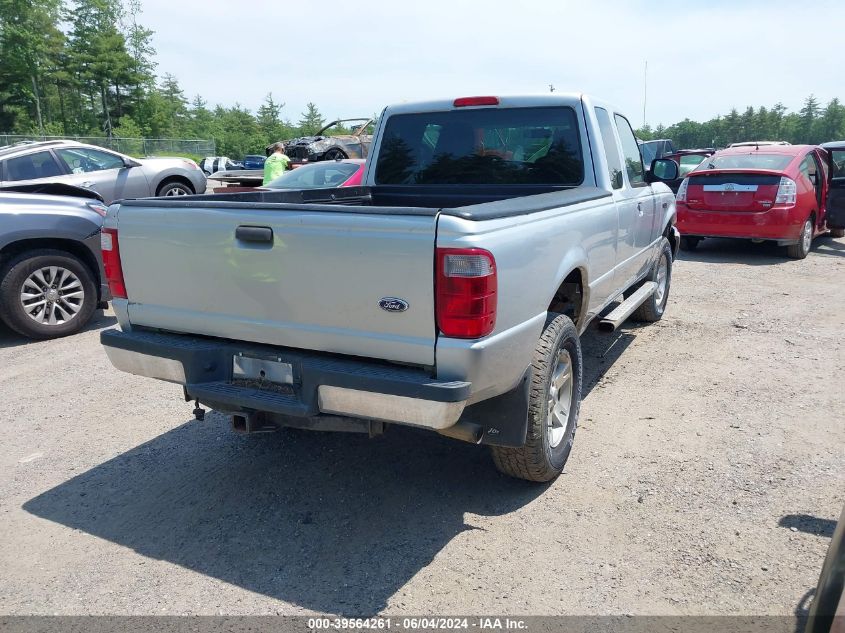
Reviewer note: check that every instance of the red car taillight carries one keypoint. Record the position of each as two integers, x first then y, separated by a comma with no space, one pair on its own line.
682,191
111,262
787,191
465,292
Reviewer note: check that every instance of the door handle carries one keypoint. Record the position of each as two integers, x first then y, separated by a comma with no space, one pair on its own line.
257,234
640,209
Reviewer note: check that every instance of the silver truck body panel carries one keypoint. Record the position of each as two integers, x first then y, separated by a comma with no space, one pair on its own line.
318,287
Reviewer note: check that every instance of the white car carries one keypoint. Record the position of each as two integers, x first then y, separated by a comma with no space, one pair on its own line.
114,176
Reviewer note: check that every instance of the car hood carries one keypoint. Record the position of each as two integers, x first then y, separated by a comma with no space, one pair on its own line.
166,161
310,140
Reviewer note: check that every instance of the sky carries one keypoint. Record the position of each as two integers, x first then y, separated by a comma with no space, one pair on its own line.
353,58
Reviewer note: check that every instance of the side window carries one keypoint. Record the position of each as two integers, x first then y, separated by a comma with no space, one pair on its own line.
32,166
808,168
633,160
611,150
838,163
825,168
82,160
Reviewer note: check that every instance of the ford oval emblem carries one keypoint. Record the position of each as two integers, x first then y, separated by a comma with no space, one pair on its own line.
392,304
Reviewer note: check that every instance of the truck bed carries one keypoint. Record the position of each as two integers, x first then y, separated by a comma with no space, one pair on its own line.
465,201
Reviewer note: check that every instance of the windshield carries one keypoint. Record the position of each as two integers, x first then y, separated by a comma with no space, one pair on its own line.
482,146
689,162
315,175
753,160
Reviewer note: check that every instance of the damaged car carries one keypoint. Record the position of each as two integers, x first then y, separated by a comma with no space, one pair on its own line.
325,146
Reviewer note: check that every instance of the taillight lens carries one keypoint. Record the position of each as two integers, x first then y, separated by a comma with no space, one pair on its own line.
466,292
682,191
111,262
787,191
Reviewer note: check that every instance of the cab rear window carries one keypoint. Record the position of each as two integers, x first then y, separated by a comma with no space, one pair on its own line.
482,146
756,160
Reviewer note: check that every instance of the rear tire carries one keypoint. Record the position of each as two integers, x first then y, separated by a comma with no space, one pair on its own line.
653,308
837,232
69,300
689,243
553,405
805,242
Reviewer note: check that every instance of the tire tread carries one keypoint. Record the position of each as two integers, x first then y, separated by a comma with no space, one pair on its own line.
529,461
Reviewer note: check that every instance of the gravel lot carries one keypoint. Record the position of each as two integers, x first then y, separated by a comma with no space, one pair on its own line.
706,477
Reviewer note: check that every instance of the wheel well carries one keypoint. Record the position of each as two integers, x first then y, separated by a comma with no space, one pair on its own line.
171,179
569,297
669,234
14,249
336,149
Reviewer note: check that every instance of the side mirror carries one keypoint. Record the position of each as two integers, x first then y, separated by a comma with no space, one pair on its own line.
662,170
129,163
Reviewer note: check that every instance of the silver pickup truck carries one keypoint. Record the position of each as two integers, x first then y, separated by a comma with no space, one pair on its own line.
448,292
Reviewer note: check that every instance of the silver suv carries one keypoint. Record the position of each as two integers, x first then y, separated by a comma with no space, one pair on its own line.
112,175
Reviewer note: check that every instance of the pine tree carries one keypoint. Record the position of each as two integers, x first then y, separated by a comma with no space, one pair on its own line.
269,119
311,120
28,38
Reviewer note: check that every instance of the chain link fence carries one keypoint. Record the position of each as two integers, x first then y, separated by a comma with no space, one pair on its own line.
133,146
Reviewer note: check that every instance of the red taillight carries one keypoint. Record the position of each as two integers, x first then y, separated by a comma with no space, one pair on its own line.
475,101
466,292
111,262
681,196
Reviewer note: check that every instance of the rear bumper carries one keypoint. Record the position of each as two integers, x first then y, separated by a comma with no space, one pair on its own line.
781,224
321,384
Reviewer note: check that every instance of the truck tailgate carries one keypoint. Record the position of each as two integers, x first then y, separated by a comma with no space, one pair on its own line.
316,284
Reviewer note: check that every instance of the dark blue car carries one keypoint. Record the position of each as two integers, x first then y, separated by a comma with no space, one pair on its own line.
254,162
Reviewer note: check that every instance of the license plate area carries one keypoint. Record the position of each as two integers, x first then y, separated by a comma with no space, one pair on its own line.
251,368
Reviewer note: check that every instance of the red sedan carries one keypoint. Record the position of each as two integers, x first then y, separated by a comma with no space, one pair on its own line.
770,192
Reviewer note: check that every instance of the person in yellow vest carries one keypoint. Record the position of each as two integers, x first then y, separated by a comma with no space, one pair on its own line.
276,163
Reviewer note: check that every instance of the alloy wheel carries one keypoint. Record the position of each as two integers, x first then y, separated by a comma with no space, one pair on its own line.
560,398
52,295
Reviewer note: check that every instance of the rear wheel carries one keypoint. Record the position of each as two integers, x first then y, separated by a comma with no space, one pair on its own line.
802,248
689,243
47,294
334,154
553,406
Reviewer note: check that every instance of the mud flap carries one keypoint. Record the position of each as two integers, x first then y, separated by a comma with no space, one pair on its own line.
503,418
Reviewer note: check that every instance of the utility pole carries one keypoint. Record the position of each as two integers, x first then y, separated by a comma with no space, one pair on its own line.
551,88
645,89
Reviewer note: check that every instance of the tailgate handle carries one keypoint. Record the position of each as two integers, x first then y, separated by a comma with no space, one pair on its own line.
261,234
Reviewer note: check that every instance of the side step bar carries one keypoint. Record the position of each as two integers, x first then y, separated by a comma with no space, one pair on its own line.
627,307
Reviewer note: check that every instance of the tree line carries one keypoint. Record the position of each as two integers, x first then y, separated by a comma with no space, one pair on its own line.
813,124
85,68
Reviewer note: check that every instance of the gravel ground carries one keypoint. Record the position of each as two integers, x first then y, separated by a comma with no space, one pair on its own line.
706,478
